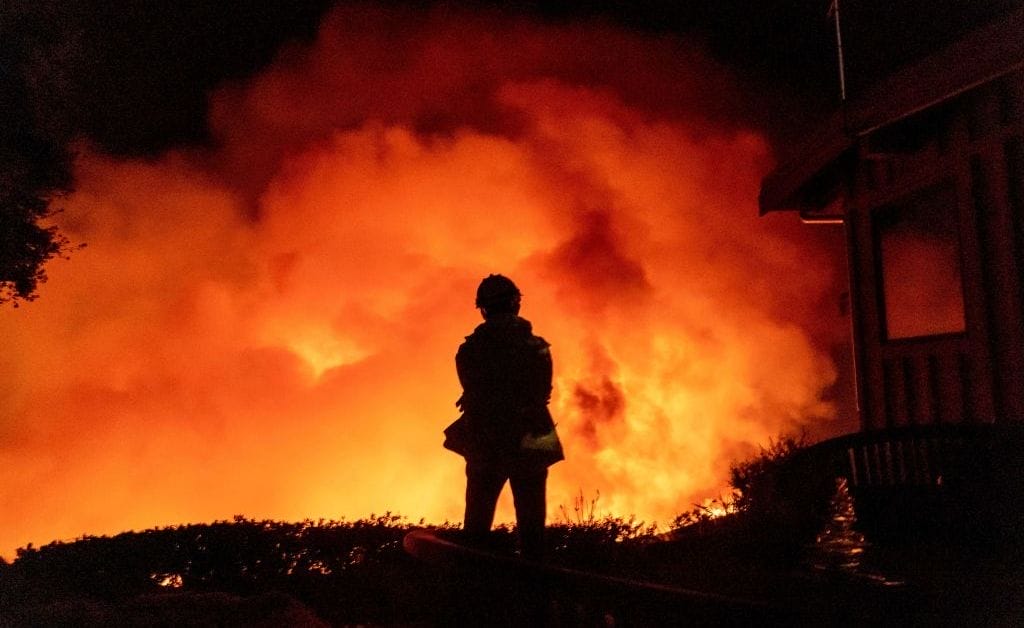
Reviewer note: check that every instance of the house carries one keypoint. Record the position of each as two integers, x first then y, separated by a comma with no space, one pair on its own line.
925,171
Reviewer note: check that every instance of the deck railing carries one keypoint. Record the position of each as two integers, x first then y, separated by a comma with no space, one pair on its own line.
963,480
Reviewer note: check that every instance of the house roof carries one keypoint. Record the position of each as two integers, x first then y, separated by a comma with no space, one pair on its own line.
982,56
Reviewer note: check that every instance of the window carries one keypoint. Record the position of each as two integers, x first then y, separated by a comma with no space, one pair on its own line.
918,247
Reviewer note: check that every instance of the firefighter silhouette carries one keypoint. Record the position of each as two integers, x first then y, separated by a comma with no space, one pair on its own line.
505,372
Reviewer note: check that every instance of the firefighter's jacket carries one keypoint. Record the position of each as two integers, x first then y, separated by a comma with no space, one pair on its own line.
505,373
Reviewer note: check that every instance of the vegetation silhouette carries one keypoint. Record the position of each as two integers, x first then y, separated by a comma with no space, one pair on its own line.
35,170
354,560
342,570
356,572
35,167
345,572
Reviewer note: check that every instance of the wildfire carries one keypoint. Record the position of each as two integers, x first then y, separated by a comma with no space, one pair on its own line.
268,327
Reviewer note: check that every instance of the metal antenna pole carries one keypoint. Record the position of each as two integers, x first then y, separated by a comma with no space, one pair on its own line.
833,10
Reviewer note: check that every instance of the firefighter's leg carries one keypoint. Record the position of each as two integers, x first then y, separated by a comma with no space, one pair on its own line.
529,493
483,485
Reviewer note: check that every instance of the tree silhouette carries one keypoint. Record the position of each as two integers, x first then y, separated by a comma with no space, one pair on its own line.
26,192
35,161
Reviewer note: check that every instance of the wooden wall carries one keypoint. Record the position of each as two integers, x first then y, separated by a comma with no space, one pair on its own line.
975,145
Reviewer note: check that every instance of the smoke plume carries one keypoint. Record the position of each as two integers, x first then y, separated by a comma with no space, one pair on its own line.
267,327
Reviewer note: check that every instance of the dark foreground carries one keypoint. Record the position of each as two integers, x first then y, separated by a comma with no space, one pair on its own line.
726,572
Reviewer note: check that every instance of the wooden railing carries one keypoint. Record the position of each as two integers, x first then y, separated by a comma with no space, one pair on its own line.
488,589
963,480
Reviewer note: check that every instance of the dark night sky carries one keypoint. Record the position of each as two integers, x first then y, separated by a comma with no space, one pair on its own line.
133,76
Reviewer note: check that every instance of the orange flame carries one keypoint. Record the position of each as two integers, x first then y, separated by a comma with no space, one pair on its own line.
268,327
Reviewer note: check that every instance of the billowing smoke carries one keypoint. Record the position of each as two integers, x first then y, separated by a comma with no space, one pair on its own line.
268,327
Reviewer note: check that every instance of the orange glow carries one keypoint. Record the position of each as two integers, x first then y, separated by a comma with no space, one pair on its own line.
268,328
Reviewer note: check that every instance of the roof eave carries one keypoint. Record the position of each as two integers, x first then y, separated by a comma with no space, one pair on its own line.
982,56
